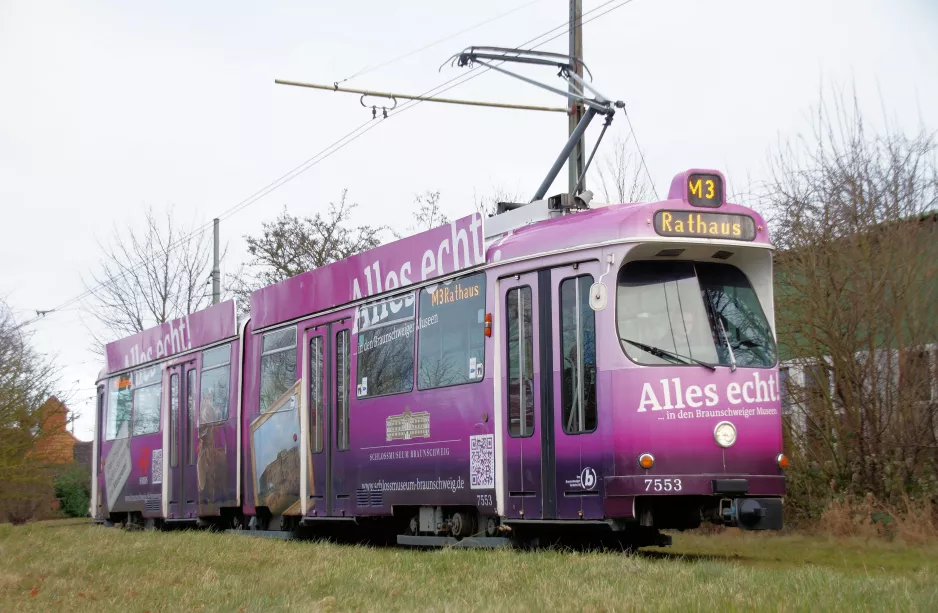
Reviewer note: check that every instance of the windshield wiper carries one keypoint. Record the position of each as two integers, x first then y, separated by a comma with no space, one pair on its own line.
728,344
718,318
665,354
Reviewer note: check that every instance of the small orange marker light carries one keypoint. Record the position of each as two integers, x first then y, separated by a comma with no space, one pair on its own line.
646,460
488,325
782,460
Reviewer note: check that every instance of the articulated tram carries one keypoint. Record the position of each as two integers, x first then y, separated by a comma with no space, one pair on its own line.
549,370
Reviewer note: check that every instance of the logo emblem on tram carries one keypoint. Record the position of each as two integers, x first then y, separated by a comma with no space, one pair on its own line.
588,478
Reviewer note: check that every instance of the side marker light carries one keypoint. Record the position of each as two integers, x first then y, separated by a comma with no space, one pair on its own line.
646,460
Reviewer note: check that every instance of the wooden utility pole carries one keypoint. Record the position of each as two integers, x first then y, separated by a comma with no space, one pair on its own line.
575,163
216,265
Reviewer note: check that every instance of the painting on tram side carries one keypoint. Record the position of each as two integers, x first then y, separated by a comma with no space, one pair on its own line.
275,448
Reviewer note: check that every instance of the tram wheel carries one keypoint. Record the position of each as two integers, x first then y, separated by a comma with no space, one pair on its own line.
413,527
460,524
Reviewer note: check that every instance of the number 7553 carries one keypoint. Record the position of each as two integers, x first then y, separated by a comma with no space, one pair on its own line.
662,485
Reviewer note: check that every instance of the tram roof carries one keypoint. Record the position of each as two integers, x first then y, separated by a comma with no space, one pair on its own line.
614,223
462,245
187,333
443,251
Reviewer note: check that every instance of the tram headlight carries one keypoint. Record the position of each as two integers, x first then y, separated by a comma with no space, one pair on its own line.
724,434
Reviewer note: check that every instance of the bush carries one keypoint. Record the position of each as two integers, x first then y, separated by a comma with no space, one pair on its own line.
26,500
914,522
73,489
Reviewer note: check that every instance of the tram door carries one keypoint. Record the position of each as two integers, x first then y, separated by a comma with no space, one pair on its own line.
183,407
553,447
521,396
576,455
329,353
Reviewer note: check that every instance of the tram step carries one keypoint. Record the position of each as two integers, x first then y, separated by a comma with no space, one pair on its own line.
283,535
480,542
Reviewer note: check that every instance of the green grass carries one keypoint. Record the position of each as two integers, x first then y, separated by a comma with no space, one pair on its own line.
71,566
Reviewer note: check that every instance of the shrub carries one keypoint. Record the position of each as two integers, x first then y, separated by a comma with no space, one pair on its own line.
25,501
73,489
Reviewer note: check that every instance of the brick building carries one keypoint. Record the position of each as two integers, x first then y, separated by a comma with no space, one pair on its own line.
57,446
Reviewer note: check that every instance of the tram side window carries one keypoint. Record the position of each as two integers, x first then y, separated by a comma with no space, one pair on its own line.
386,347
342,389
190,416
316,395
120,390
147,391
100,423
173,420
278,365
216,378
147,409
451,335
520,324
578,353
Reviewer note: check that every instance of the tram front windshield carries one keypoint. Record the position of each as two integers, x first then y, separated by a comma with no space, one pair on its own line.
683,312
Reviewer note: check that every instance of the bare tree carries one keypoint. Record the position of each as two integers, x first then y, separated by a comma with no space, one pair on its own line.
27,381
150,276
291,245
487,205
622,177
852,210
429,213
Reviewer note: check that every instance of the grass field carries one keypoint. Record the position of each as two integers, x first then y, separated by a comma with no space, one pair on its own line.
72,566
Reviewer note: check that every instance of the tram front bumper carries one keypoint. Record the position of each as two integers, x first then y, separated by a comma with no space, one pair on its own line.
750,502
695,485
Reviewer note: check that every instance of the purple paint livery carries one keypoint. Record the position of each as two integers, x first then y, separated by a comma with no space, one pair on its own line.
175,336
441,251
452,381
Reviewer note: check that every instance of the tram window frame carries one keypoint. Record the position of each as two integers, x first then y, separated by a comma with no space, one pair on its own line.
739,294
117,396
516,431
477,279
707,336
139,393
191,425
277,349
211,367
317,382
343,374
591,411
174,382
144,380
390,322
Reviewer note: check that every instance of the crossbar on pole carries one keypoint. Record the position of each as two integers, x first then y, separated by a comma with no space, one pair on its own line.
392,95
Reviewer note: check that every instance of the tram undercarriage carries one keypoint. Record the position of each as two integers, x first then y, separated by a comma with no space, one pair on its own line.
463,526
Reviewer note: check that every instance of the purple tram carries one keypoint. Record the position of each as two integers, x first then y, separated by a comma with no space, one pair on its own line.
549,370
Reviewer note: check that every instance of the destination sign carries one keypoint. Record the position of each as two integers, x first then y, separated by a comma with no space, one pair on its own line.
705,225
705,190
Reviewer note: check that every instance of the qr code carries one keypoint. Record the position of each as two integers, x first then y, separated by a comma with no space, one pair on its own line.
482,461
156,466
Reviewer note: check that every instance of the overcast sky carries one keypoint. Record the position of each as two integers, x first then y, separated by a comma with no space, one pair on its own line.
107,107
